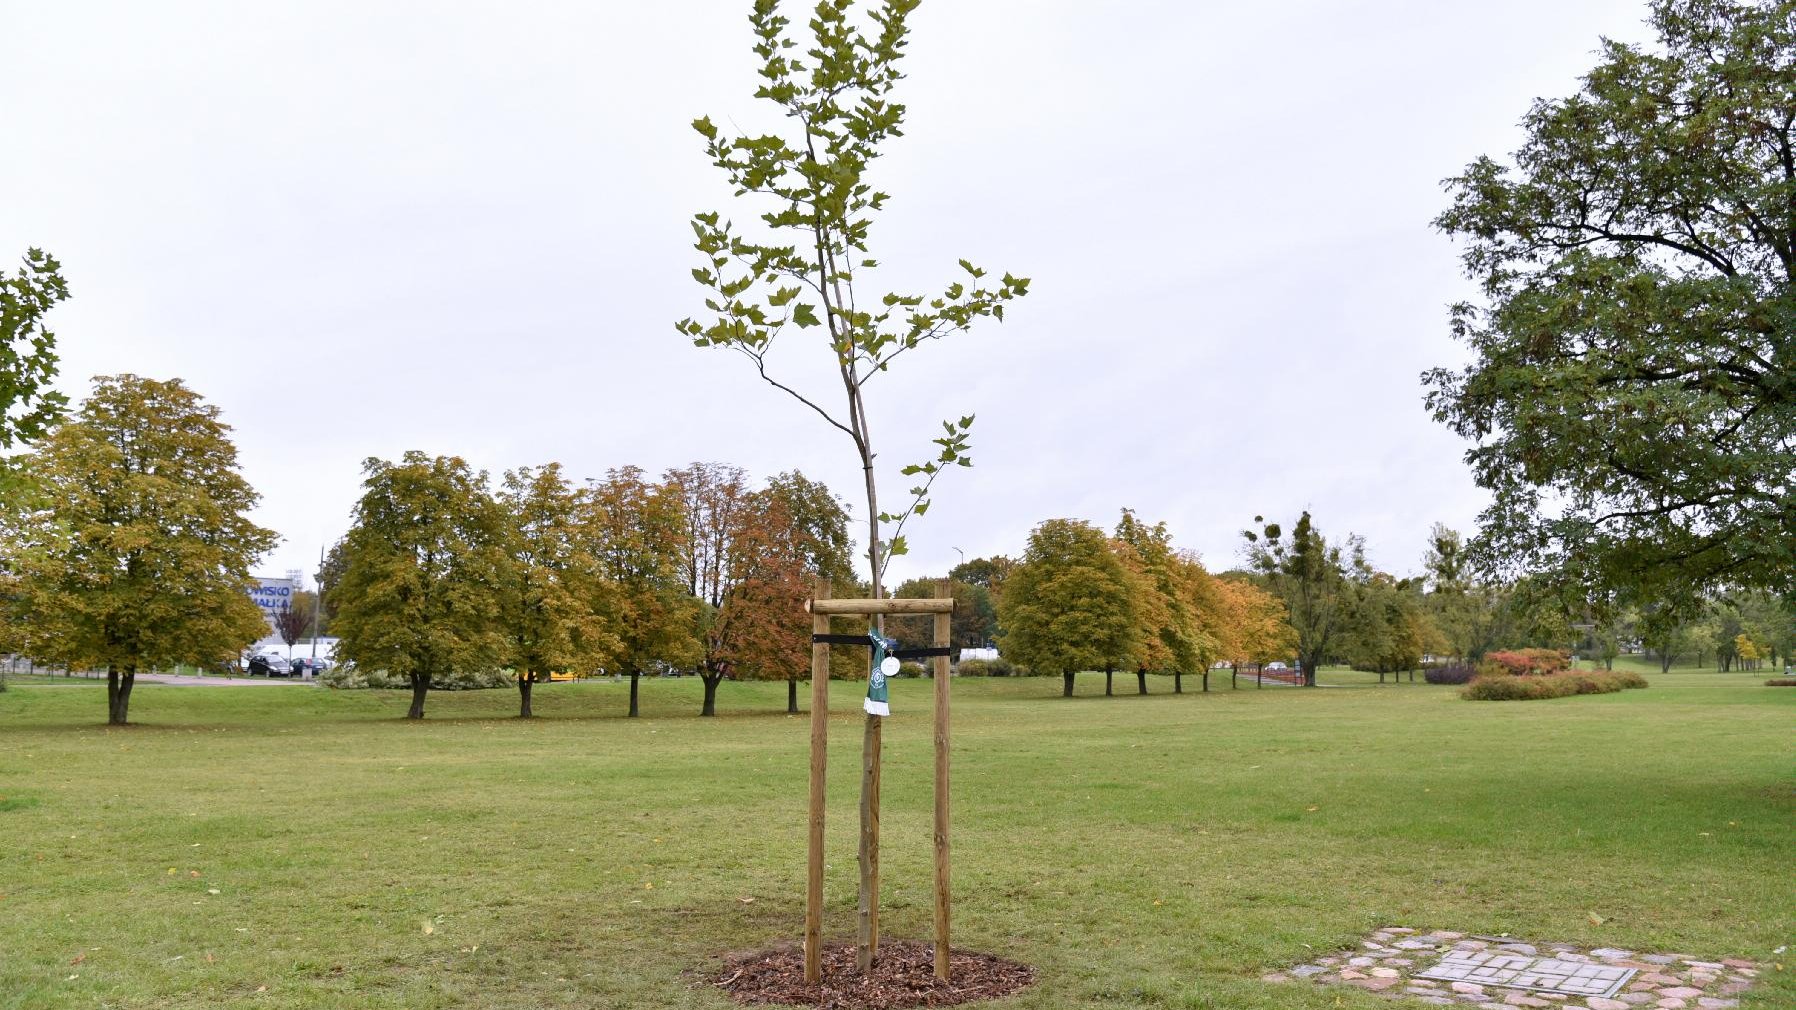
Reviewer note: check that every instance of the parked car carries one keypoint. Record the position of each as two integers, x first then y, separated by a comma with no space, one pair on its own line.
305,665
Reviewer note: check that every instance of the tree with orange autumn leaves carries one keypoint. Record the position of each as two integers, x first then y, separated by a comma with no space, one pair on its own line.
749,557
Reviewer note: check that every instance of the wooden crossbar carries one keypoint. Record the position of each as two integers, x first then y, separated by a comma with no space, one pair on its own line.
848,608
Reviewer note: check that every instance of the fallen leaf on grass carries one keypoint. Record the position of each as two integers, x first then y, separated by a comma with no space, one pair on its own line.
746,900
79,958
1595,919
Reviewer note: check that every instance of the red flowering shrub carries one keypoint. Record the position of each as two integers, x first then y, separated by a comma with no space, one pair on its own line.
1525,662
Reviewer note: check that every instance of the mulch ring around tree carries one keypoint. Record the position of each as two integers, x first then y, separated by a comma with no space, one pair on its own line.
902,976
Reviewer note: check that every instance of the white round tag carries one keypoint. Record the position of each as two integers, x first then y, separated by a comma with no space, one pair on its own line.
889,666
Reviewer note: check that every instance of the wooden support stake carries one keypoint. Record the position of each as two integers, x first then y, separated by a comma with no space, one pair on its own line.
868,933
943,626
813,896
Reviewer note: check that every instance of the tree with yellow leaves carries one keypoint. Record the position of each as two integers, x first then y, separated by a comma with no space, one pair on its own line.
136,553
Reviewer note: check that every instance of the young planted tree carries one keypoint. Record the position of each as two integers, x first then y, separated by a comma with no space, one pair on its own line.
638,527
810,265
1316,580
28,405
1628,398
137,553
555,608
1071,605
424,562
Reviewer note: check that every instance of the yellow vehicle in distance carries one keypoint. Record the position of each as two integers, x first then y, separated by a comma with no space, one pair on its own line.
561,676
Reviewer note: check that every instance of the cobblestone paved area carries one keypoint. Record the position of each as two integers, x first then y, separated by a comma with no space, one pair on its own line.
1501,973
1515,971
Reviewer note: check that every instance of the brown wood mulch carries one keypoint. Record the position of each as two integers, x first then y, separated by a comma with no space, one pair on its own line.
903,976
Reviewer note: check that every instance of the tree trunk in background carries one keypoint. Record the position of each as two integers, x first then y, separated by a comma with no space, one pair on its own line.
1234,676
1310,665
118,694
524,682
1107,673
1664,662
1066,689
420,688
1141,681
635,678
1178,682
711,680
792,697
1206,680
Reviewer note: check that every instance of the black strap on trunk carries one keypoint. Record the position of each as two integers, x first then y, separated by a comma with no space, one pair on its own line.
863,640
922,653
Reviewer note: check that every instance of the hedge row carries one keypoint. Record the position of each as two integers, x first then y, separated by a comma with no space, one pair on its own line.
1450,673
350,678
1558,685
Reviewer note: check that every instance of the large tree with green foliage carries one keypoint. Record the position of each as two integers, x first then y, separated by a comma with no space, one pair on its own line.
1070,605
638,526
555,607
1318,581
137,554
1470,610
1172,638
809,265
1630,394
423,566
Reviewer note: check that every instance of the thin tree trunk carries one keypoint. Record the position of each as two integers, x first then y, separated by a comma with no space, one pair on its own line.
525,680
1235,676
1141,681
1206,680
420,688
1178,682
1107,674
1066,687
792,696
710,679
635,678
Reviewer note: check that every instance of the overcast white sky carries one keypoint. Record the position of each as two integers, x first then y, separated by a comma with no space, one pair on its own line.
362,228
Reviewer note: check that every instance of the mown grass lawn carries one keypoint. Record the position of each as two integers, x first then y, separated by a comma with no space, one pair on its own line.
302,848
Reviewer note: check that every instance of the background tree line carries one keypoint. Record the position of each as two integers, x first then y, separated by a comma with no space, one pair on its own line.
126,547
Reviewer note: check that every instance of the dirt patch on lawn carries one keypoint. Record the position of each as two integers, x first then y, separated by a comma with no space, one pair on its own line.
903,976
